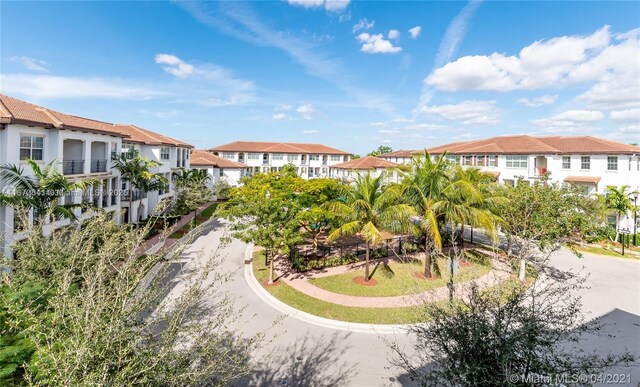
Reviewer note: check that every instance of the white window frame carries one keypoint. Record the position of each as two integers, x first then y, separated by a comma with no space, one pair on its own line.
585,160
517,161
31,147
314,157
165,153
253,156
612,163
493,161
277,156
228,155
566,162
335,157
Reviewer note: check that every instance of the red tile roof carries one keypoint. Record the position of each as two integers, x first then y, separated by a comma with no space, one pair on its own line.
143,136
400,153
582,179
15,111
205,158
368,162
277,147
524,144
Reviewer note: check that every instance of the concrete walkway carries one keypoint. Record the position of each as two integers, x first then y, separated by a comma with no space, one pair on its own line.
162,240
300,281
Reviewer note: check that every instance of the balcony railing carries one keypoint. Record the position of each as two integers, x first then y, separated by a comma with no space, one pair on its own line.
72,167
136,196
98,166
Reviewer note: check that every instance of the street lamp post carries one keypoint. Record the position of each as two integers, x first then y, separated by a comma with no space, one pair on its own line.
635,219
624,232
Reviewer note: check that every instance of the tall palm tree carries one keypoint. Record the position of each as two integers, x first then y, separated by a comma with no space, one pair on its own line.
367,210
42,191
618,200
137,171
422,187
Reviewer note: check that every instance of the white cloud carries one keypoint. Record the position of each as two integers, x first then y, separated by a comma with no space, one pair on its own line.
393,34
376,44
279,116
426,127
571,121
380,124
415,32
466,112
49,86
283,107
306,111
389,131
363,24
175,65
31,63
626,116
329,5
612,61
538,101
310,131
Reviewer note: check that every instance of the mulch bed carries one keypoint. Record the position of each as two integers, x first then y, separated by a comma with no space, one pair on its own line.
360,280
465,263
420,275
266,283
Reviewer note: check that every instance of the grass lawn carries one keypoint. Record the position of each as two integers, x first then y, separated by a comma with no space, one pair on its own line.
301,301
614,251
396,279
202,217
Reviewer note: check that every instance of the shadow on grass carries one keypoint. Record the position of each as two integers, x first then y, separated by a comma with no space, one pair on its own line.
308,362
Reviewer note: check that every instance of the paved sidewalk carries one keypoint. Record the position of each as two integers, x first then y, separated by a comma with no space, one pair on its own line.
163,239
300,281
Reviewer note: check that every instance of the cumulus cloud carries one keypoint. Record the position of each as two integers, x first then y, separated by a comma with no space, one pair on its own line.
329,5
538,101
426,127
570,121
415,32
625,116
283,107
306,111
376,44
466,112
174,65
279,116
310,131
613,61
393,34
363,25
389,131
31,63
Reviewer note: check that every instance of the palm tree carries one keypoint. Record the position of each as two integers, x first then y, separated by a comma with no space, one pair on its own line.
42,191
618,200
137,171
368,209
422,187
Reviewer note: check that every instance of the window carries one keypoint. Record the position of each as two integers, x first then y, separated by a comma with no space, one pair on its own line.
291,158
127,150
612,163
453,159
493,161
585,163
516,161
221,172
314,157
277,156
335,157
253,156
566,162
468,160
164,153
228,155
31,147
303,170
324,171
480,161
114,150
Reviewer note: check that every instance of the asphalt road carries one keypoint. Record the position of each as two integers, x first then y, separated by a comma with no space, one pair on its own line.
301,354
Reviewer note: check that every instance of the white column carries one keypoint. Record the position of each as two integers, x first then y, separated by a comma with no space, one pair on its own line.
87,156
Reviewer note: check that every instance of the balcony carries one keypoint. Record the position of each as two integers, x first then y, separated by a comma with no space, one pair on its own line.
98,166
136,195
72,167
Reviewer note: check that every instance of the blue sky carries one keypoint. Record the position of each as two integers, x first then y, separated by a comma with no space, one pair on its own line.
353,75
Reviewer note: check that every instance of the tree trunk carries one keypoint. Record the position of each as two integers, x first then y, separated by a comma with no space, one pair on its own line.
522,271
617,226
130,204
139,205
271,270
462,235
427,259
366,263
450,283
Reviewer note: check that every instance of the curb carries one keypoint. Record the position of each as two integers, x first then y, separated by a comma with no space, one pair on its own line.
264,295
